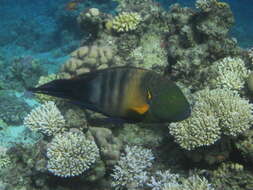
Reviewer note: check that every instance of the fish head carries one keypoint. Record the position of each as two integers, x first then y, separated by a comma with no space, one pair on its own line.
168,103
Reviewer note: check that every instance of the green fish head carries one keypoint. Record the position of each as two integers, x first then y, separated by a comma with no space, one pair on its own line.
168,104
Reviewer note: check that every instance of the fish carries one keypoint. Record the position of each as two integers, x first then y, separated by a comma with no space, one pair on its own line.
72,5
128,93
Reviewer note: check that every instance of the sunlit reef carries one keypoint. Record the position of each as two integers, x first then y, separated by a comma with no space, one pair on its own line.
204,46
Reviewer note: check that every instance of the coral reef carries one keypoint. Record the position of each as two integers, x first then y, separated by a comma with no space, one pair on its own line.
13,109
109,145
196,41
169,181
71,153
149,53
124,22
87,58
216,112
5,160
46,119
228,73
191,46
23,73
232,176
131,169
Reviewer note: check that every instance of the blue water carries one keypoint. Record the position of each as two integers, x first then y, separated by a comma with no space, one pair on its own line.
45,26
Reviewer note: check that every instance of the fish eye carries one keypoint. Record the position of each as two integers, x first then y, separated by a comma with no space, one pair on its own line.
149,96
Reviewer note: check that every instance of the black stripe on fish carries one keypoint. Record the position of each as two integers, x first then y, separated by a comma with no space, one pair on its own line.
122,87
103,96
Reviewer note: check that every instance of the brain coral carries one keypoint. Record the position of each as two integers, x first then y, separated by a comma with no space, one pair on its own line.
46,118
71,153
216,112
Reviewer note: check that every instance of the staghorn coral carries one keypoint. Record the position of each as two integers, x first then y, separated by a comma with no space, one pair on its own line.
46,119
229,73
216,112
124,22
131,169
71,153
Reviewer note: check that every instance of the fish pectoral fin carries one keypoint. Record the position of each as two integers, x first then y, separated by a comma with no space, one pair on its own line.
141,109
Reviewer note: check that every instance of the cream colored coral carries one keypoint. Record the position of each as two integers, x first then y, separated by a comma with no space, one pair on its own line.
229,73
124,22
71,153
87,58
46,119
216,112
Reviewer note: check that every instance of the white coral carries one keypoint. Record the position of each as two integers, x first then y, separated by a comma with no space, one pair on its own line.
46,118
71,153
131,170
229,73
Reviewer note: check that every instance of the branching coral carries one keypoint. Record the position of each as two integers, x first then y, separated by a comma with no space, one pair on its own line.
124,22
131,170
46,119
169,181
229,73
200,129
71,153
216,112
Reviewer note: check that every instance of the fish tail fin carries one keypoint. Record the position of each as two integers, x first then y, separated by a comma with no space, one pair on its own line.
62,88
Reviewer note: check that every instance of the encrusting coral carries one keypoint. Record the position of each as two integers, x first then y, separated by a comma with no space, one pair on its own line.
46,119
216,112
149,54
71,153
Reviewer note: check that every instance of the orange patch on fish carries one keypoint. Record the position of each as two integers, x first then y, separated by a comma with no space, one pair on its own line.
141,109
135,99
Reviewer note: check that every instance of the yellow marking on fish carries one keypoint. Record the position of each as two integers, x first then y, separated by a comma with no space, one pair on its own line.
135,98
149,95
142,109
